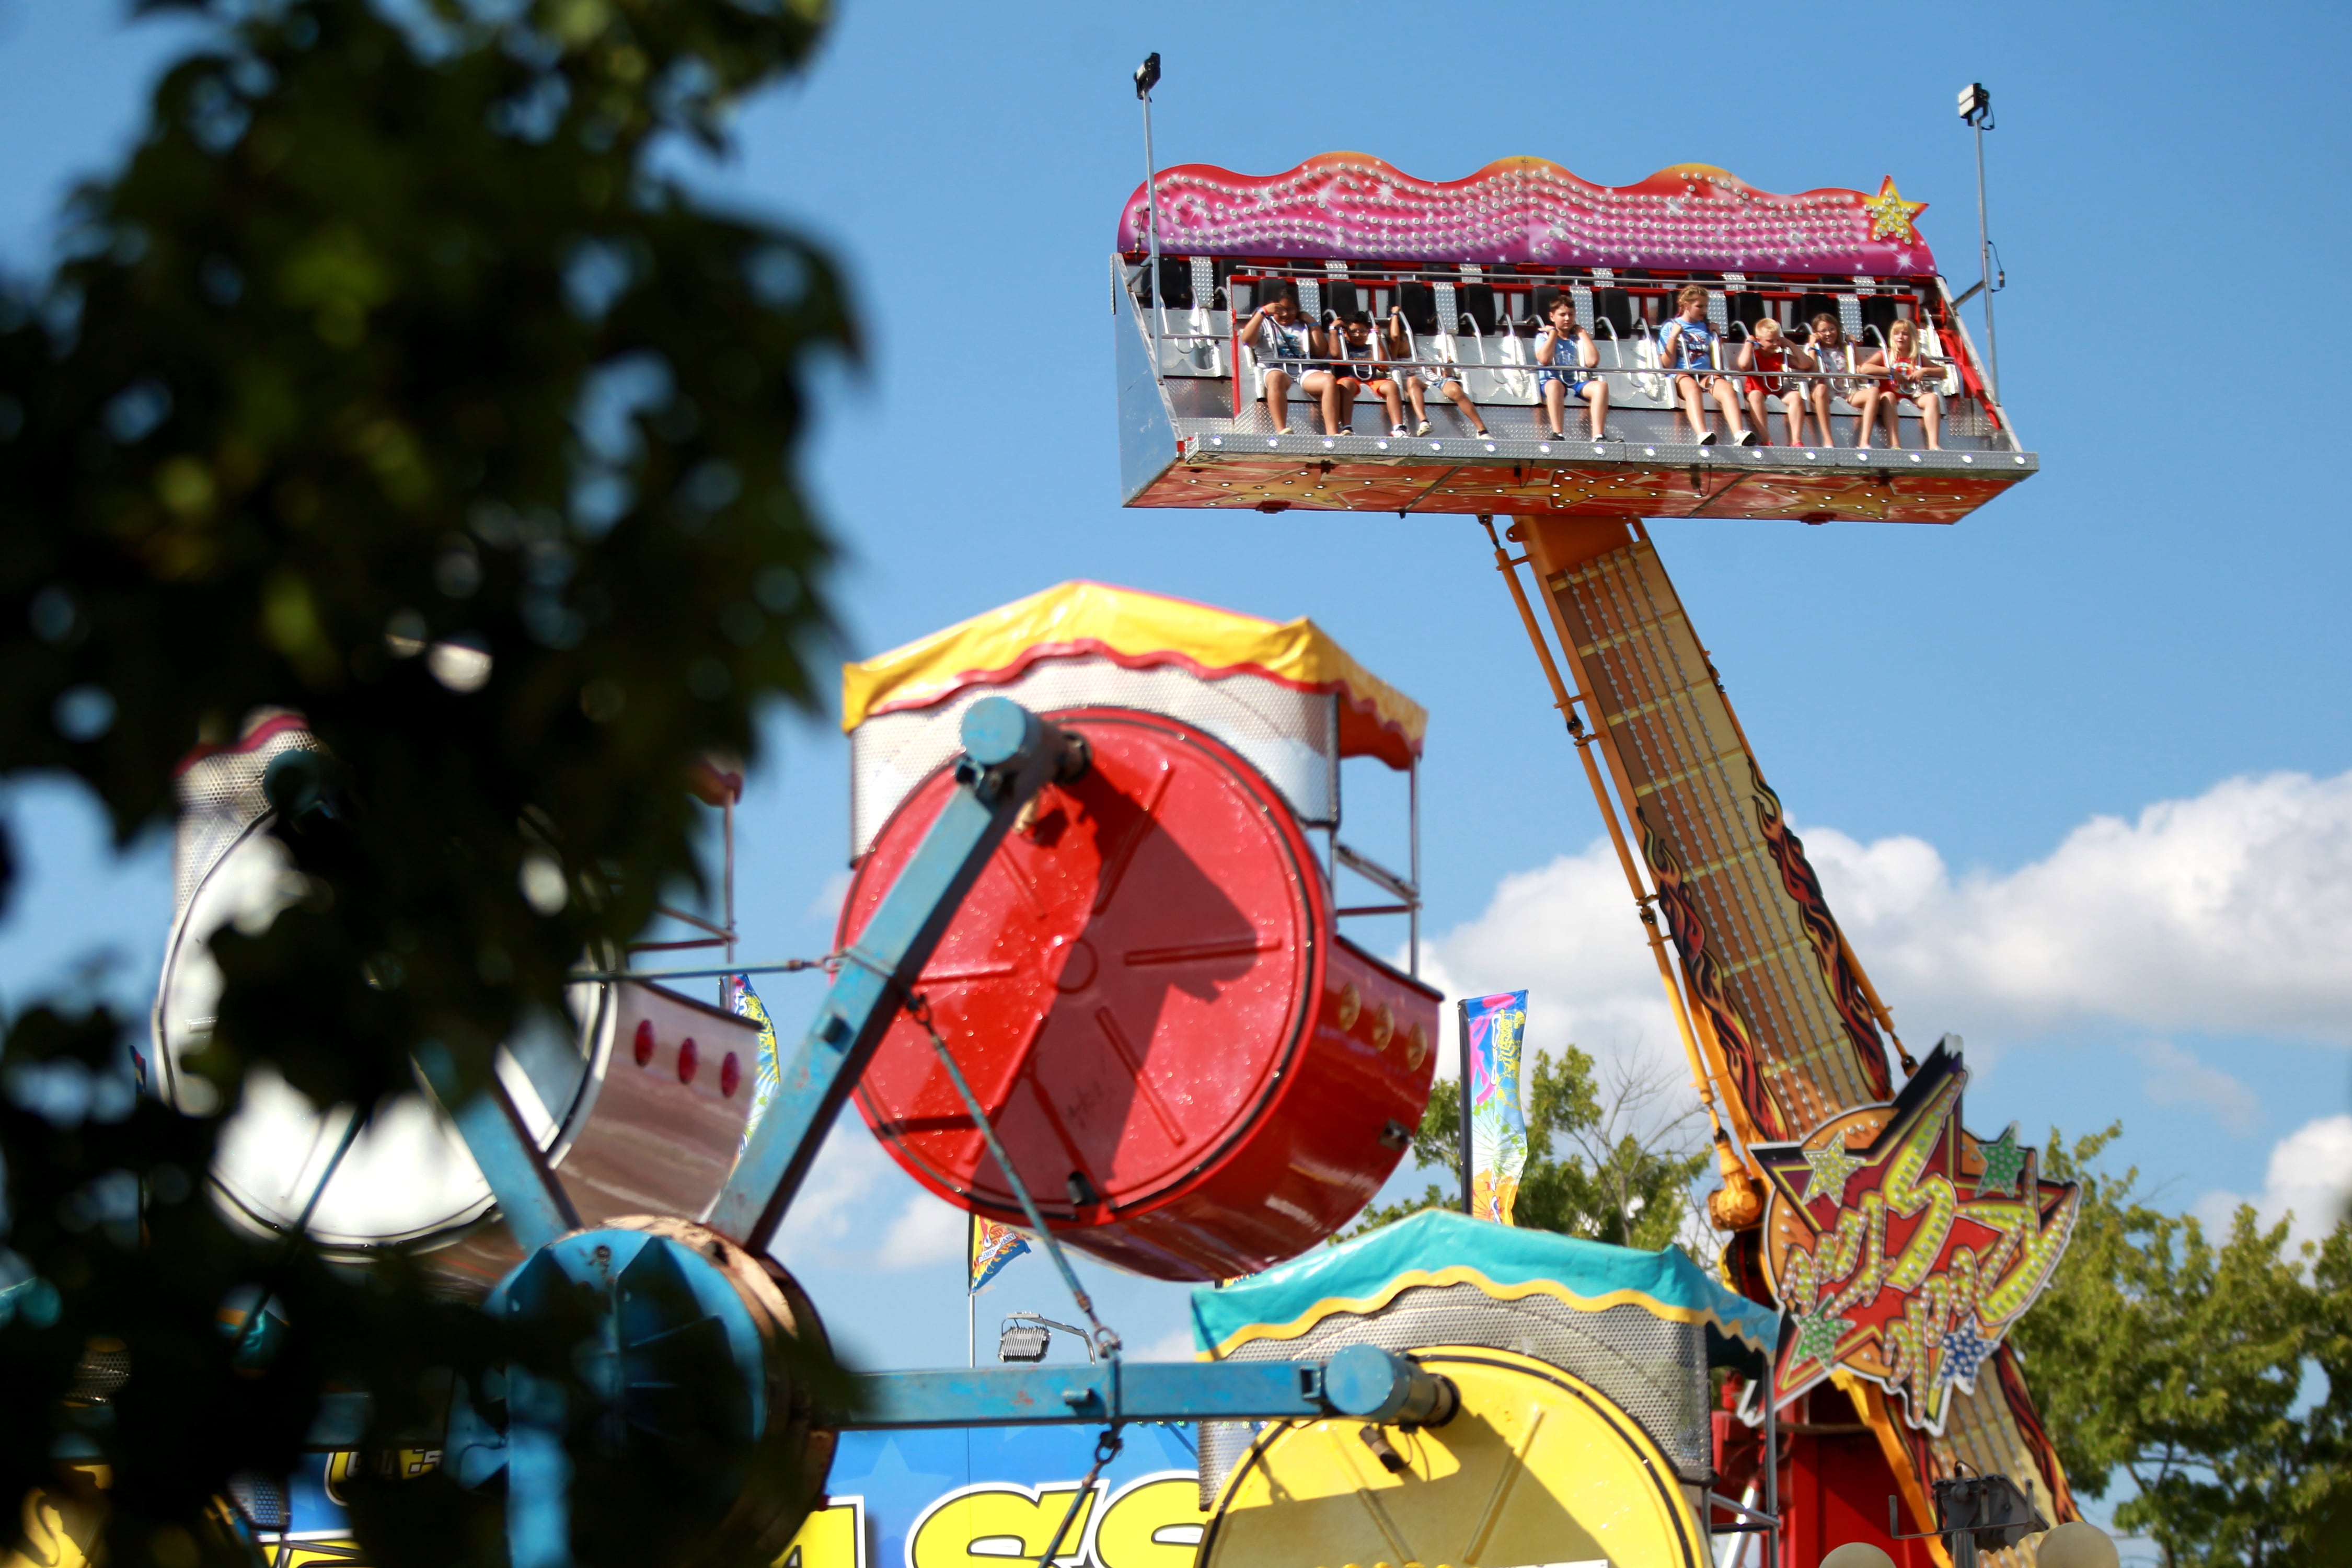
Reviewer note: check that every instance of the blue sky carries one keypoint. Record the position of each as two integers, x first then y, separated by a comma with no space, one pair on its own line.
2075,770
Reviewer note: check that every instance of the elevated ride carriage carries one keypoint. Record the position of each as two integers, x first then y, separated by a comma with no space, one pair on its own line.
1473,266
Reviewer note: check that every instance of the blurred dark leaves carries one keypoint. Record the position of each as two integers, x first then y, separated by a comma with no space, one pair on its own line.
390,381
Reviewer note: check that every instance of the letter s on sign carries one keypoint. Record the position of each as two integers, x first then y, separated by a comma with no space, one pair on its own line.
997,1525
1155,1523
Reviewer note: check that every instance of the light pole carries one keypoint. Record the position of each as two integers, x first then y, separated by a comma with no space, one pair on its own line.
1147,77
1976,111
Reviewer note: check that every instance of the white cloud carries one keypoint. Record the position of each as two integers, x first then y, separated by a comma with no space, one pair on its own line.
857,1210
2229,911
827,905
926,1231
1567,933
1176,1344
2310,1178
2176,1078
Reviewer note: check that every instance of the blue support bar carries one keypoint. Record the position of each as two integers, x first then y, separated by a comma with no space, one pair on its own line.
531,1200
1010,755
1361,1382
539,1475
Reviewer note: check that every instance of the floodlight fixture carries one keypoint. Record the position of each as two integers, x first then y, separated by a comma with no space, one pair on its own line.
1975,103
1147,75
1974,1514
1022,1342
1025,1337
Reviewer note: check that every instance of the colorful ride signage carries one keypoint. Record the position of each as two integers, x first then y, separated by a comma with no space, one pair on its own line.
933,1498
1904,1247
1493,1029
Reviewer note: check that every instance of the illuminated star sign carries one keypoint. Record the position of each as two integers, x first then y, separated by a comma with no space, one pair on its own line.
1830,1168
1816,1337
2004,1162
1890,214
1964,1351
1903,1248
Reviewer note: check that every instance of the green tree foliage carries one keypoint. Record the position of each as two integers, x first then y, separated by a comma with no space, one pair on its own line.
390,336
2185,1363
1598,1166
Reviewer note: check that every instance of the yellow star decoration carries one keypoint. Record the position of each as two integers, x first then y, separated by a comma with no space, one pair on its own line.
1891,215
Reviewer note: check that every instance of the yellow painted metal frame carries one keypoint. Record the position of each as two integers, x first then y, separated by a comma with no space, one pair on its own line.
1314,1494
1690,1023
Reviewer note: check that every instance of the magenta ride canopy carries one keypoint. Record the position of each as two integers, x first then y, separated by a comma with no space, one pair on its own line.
1530,211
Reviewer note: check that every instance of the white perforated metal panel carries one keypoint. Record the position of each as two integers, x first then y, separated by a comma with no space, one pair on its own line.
220,796
1290,736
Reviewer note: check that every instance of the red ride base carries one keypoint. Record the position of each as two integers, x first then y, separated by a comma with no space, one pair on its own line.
1195,1077
1834,1483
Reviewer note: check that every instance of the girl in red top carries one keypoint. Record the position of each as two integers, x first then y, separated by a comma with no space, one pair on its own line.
1899,371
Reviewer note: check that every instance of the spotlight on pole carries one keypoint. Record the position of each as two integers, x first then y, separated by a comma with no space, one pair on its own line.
1025,1337
1147,77
1024,1342
1976,113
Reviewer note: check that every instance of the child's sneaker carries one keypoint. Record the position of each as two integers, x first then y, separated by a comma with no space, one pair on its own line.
1421,429
1706,437
1747,438
1396,430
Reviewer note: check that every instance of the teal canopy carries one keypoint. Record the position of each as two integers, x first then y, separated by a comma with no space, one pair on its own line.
1438,1247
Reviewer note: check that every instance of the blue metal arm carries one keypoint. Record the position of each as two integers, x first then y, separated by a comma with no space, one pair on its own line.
1362,1382
532,1200
1009,756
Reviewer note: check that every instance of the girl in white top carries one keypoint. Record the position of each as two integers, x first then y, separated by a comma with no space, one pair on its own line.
1363,366
1828,351
1288,345
1418,384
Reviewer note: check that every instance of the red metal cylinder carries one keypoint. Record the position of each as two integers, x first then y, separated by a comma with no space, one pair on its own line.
1194,1074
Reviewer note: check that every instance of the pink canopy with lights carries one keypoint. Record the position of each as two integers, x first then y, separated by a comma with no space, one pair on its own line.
1691,215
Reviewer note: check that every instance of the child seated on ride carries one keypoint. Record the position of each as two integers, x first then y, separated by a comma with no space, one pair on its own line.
1363,363
1767,350
1904,372
1828,352
1442,377
1566,353
1687,349
1286,344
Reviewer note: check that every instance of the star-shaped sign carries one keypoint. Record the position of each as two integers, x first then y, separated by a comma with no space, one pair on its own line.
1817,1337
1964,1351
2004,1162
1891,215
1902,1247
1830,1168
